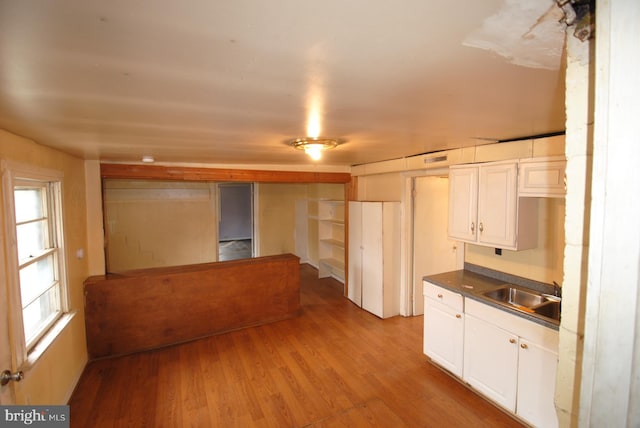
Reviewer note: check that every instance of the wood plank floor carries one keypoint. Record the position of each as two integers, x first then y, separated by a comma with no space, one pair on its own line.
333,366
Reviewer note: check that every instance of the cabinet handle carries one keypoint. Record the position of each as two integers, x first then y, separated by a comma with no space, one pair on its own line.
512,340
481,227
439,296
523,346
458,316
473,227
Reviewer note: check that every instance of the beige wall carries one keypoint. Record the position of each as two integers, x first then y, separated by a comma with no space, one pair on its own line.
325,191
543,263
276,217
52,378
159,223
380,187
95,231
136,210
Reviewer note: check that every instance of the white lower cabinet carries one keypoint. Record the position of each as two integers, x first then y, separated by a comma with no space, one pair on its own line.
512,361
509,359
536,384
491,361
443,327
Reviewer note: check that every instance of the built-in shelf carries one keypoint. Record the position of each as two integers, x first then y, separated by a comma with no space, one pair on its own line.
334,264
334,242
331,239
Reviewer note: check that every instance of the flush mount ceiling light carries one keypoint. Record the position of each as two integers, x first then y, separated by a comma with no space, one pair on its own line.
314,146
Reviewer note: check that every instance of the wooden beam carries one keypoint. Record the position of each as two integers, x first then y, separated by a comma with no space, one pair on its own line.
157,172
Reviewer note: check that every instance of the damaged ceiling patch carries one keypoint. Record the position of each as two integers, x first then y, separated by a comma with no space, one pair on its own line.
527,33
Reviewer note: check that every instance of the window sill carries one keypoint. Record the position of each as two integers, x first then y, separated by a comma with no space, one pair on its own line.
47,340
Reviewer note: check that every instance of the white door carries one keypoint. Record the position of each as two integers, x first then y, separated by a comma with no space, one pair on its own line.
433,251
372,262
7,394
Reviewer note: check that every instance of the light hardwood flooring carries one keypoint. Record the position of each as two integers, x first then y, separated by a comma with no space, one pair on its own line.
334,365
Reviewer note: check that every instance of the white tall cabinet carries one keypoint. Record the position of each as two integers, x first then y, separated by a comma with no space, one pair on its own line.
374,257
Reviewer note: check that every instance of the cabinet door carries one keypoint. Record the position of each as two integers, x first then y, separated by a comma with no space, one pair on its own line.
372,267
497,204
536,384
463,193
491,361
354,284
545,178
443,335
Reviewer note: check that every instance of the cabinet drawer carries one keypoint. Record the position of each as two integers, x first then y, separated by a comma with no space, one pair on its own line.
454,300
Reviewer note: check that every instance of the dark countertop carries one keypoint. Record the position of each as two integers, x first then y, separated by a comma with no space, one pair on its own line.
474,280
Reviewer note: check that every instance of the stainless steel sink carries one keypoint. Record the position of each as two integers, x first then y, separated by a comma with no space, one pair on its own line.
516,296
528,301
551,309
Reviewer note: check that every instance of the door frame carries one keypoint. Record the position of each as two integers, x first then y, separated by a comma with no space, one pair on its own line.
7,348
254,209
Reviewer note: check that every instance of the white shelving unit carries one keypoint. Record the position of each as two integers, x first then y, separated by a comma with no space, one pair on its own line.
331,239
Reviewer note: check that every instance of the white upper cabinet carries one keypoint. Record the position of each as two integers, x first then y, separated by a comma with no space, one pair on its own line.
497,208
463,203
484,207
542,177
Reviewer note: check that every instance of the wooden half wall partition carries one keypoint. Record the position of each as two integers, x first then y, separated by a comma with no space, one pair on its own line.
151,308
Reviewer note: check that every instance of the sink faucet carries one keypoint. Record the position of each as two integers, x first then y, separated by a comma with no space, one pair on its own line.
557,290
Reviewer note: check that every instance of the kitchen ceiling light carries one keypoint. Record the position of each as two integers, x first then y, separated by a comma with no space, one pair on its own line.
314,146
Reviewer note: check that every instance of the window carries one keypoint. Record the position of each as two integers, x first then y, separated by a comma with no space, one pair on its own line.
38,295
38,256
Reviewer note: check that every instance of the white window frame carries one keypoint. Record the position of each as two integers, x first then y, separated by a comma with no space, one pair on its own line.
13,174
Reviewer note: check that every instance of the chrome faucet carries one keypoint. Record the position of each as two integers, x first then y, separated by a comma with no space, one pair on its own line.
557,290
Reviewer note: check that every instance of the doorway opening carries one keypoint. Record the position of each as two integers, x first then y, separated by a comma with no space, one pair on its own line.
235,221
432,250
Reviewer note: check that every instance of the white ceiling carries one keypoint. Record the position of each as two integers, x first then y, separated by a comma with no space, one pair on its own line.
230,81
